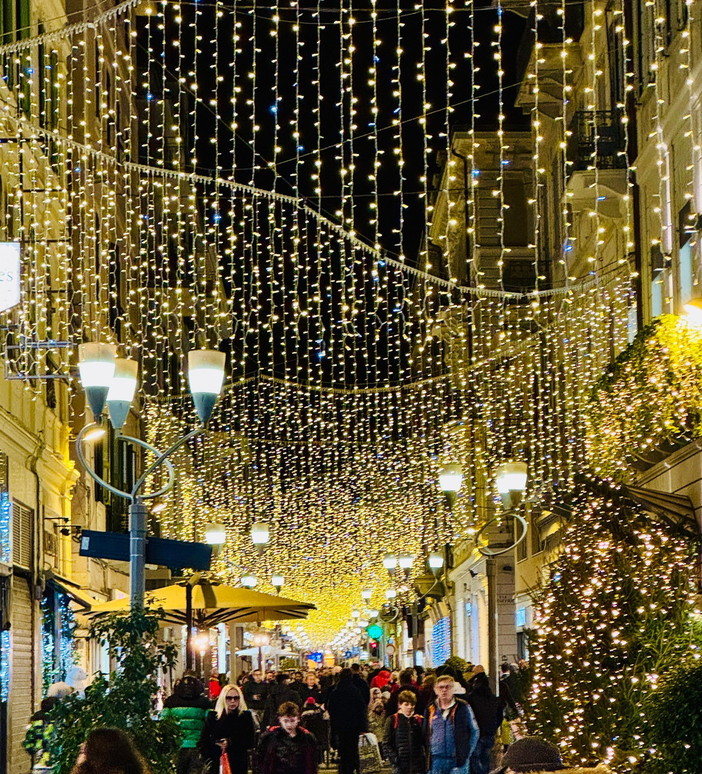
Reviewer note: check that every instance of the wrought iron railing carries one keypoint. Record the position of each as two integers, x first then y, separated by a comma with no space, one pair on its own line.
597,140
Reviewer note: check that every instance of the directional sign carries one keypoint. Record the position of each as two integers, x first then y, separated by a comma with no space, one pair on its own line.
168,553
9,275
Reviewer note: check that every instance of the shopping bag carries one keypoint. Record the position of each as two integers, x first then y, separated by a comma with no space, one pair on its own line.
369,758
224,767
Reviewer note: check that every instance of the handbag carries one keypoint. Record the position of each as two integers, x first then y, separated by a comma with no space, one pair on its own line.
224,767
369,758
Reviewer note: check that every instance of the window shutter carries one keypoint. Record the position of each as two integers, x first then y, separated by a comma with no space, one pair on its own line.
22,535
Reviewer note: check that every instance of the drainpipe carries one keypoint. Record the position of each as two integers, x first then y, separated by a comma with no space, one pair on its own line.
491,573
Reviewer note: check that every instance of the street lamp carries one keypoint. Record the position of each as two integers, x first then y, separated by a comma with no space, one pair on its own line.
390,594
249,581
406,561
435,562
693,311
366,594
215,534
390,562
260,640
260,535
451,478
277,582
105,378
511,483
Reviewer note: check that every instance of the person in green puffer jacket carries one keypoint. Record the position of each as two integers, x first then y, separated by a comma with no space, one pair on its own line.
189,707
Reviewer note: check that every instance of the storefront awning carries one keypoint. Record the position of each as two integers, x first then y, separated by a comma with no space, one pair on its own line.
78,595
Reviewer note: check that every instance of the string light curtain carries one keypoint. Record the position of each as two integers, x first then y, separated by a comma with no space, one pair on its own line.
263,178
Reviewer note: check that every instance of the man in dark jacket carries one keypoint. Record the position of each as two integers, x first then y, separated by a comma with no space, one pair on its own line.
405,684
348,713
403,742
360,682
450,730
188,706
255,692
278,693
488,711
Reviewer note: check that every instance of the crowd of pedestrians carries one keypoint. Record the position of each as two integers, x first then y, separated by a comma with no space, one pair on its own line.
441,722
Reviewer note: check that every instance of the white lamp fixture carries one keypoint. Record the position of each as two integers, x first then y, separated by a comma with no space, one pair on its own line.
405,561
205,377
96,366
511,477
390,594
366,594
215,534
372,613
435,561
260,535
121,392
355,613
390,562
451,478
249,581
277,581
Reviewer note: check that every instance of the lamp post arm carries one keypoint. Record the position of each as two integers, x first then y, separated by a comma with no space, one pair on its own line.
162,458
86,465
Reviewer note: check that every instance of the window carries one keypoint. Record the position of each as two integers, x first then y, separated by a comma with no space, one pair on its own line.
22,535
660,282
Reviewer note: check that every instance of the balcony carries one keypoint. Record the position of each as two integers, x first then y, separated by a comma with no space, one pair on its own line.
597,140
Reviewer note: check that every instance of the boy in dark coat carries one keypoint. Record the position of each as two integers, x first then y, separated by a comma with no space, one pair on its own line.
287,748
403,743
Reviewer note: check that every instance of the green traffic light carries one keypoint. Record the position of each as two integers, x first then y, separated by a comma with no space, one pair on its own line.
374,630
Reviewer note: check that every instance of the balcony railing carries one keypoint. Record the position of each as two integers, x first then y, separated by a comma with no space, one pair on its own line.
597,140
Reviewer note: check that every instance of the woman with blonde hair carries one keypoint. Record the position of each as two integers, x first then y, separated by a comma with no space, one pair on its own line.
228,729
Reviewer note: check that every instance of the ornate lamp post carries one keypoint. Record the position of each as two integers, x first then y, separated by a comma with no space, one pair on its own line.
107,379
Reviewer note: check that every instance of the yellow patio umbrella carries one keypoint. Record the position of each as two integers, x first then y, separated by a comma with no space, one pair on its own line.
205,604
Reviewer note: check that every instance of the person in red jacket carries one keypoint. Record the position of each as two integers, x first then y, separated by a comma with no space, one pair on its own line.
381,679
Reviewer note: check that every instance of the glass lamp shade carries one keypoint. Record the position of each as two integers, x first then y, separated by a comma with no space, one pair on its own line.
261,639
205,377
511,477
451,477
215,534
250,581
390,594
373,613
435,561
366,594
121,392
96,366
260,533
277,581
355,613
405,561
389,562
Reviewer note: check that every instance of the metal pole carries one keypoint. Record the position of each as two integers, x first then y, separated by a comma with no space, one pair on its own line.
188,626
137,552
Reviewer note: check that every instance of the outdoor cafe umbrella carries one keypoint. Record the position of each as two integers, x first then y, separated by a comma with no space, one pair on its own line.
205,604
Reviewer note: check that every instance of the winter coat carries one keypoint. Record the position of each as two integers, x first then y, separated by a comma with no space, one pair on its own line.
488,710
313,720
347,710
190,714
363,687
238,728
278,694
403,744
255,694
464,729
280,753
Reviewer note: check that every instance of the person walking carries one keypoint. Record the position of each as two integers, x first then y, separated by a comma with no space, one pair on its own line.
376,714
109,751
287,748
188,706
348,714
450,730
309,689
488,710
406,683
360,682
255,693
229,728
403,741
279,693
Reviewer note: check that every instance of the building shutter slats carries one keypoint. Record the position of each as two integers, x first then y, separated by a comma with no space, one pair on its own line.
22,535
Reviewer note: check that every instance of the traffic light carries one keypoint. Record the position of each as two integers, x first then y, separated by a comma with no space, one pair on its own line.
373,649
375,631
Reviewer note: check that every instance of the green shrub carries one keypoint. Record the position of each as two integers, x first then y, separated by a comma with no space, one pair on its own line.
126,700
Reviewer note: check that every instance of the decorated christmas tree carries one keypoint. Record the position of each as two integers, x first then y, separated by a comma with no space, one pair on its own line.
614,618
